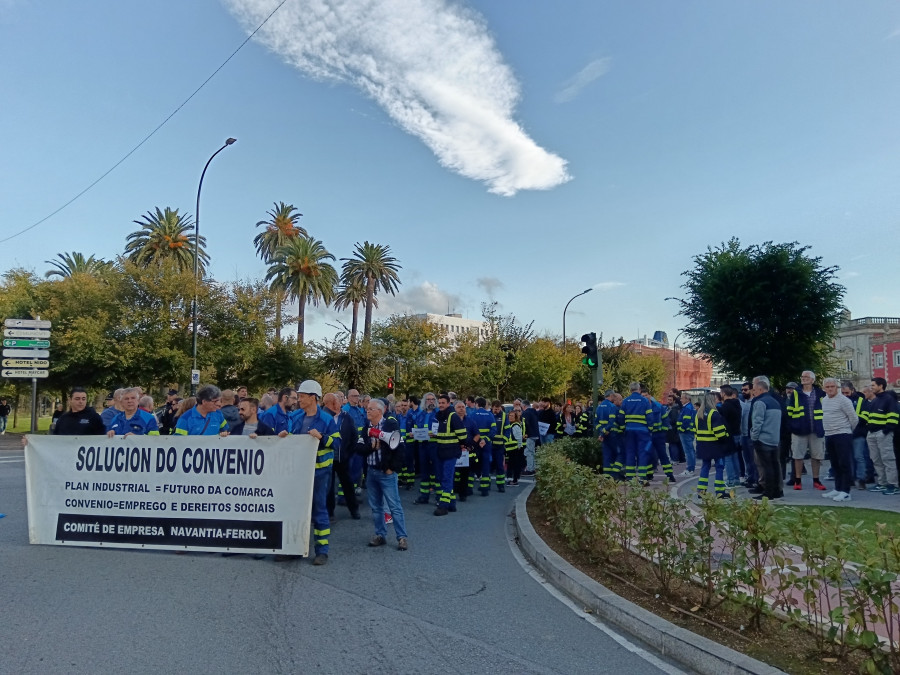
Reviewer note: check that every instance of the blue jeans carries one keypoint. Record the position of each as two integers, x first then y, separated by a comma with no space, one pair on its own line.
529,453
749,460
862,463
382,488
733,464
687,444
2,424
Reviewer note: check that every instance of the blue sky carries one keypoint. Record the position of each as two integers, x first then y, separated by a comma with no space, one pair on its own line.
654,129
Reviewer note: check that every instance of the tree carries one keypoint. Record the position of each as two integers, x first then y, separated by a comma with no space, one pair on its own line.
165,235
375,267
351,293
70,264
280,229
299,268
411,342
762,310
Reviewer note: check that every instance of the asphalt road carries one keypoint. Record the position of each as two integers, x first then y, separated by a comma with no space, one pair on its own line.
459,601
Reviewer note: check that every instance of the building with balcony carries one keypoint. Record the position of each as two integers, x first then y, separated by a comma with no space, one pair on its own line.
864,346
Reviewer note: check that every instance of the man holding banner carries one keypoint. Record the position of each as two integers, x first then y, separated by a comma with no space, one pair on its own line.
132,420
312,420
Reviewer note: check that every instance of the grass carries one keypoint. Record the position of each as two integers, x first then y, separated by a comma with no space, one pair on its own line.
866,519
24,425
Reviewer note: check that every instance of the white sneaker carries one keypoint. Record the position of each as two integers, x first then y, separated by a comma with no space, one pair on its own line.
686,474
832,494
842,497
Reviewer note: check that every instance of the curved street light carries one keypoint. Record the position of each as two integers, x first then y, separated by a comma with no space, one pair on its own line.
587,290
197,261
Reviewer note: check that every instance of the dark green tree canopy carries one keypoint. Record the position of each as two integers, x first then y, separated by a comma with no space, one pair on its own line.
762,310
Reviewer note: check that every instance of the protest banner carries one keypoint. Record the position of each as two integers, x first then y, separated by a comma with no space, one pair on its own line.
204,493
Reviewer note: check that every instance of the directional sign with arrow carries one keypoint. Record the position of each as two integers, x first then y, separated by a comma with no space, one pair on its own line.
26,343
26,323
25,333
25,363
23,373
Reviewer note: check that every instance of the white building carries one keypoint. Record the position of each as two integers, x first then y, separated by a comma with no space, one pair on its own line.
454,325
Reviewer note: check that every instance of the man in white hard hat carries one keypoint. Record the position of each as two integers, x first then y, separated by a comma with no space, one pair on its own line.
311,419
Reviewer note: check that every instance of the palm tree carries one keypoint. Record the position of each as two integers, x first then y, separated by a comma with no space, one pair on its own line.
299,269
70,264
375,267
165,235
350,294
281,228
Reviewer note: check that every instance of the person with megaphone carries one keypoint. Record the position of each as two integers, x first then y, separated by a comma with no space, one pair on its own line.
384,460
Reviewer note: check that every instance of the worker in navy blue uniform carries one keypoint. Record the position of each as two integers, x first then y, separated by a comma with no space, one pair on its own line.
637,414
358,413
412,445
464,476
406,477
498,445
659,430
312,420
607,432
132,420
452,435
350,444
483,420
279,416
429,466
204,419
713,444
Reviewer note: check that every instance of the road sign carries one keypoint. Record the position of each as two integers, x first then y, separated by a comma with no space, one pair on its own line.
25,333
26,323
26,343
26,353
195,377
26,363
8,372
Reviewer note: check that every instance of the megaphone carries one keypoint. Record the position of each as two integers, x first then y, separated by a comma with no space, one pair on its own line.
391,438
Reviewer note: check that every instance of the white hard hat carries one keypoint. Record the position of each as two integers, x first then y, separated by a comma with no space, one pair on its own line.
310,387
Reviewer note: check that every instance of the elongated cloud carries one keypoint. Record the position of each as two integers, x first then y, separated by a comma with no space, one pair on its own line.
431,65
573,86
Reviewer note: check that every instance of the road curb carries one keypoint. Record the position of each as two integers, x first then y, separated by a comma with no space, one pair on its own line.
688,649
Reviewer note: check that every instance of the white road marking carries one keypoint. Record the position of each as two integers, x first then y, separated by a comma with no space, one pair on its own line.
590,618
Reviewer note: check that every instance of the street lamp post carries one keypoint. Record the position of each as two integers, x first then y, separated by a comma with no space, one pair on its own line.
587,290
675,361
197,262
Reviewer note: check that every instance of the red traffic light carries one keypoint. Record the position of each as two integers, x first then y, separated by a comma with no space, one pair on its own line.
390,383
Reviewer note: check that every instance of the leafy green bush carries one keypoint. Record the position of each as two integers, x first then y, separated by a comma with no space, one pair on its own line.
840,582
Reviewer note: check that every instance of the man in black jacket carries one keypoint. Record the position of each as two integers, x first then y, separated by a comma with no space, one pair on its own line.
341,466
383,462
80,420
249,424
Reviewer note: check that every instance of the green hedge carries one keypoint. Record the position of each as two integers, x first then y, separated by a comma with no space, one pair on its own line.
737,550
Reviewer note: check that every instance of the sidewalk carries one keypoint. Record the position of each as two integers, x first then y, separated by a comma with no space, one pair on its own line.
808,496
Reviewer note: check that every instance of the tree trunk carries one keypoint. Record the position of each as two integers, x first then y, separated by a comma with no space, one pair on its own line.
370,300
279,302
354,325
301,317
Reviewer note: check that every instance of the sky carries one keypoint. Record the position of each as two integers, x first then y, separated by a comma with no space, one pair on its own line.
506,151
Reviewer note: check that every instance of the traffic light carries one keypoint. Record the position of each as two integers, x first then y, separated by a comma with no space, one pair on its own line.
589,349
390,384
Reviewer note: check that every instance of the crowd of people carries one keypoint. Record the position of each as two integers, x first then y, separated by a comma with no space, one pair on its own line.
446,448
757,437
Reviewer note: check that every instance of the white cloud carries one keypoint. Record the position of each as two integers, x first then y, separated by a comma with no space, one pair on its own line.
849,275
573,86
432,66
426,297
608,285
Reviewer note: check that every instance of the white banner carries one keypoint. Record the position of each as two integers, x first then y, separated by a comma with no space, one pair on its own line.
203,493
